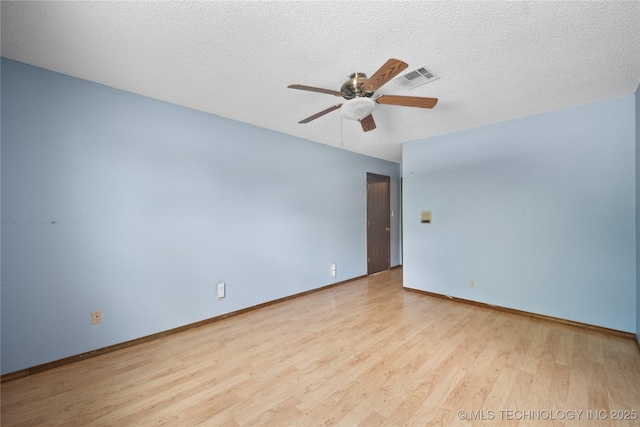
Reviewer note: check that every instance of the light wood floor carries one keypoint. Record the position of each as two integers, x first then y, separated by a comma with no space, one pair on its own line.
364,353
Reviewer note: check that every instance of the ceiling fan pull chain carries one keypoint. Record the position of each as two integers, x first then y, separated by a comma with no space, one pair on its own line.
341,130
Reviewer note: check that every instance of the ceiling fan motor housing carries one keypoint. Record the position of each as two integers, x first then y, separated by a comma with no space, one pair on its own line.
353,88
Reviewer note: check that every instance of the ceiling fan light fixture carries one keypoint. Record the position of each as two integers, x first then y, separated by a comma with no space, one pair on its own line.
357,108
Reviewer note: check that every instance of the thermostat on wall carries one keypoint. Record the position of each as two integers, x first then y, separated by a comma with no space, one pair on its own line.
425,217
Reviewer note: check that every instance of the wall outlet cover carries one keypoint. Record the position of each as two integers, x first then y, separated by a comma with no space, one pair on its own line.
96,317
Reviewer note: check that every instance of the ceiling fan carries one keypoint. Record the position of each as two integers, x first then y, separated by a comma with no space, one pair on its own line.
359,90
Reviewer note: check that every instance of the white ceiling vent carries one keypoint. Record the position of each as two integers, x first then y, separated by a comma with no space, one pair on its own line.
415,78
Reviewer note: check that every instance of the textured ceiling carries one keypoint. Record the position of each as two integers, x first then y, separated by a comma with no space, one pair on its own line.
496,60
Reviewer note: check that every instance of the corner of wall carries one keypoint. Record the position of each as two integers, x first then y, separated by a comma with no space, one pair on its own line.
637,171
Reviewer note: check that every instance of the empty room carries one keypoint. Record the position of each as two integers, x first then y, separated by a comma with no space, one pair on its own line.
305,213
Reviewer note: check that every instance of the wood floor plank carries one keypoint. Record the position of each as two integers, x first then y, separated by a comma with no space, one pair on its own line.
365,353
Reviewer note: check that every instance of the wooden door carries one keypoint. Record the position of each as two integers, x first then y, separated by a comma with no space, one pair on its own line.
378,223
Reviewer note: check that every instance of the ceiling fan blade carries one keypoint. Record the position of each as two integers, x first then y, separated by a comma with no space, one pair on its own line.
389,70
320,114
316,89
368,123
407,101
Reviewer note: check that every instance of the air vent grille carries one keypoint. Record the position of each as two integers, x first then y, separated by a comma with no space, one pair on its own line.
415,78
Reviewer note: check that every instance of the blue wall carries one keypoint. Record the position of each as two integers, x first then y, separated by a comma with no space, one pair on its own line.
539,211
138,207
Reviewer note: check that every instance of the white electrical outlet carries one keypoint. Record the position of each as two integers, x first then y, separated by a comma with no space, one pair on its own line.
472,284
221,289
334,270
